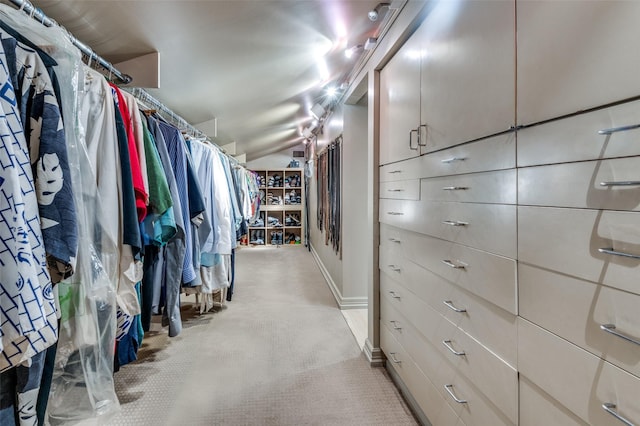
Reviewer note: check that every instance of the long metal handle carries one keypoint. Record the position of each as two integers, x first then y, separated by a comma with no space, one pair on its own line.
420,135
450,305
392,355
447,344
395,190
618,129
395,325
395,213
455,188
394,268
451,264
393,294
455,223
453,159
621,183
455,398
610,408
611,251
395,171
410,139
395,240
611,328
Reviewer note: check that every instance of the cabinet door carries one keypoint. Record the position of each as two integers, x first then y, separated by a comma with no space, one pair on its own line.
400,104
575,55
468,71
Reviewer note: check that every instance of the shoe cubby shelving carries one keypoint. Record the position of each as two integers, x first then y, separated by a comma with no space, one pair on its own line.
281,208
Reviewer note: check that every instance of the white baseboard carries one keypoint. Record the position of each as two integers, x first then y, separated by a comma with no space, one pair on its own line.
343,302
375,356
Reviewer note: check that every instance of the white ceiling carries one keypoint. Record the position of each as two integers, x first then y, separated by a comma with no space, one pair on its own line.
251,64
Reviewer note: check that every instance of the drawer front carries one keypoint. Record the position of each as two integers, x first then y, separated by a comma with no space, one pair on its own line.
576,138
492,326
496,153
577,379
488,227
399,213
575,310
603,67
538,408
402,170
479,409
602,184
422,390
401,189
497,187
568,241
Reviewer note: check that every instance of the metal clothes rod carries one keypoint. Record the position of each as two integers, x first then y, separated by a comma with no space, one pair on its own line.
39,16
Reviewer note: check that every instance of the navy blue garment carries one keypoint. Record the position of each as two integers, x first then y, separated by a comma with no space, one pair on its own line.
19,379
131,227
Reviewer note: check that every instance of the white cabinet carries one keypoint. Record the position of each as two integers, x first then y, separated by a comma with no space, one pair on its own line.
468,73
575,55
400,104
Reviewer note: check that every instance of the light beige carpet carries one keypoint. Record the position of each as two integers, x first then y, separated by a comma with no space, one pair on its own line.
281,353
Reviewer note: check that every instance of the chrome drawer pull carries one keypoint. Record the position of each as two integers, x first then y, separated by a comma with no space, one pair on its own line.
395,325
420,134
618,129
610,250
455,398
392,355
450,305
451,264
395,190
452,159
395,240
455,188
393,294
395,213
610,408
455,223
621,183
394,268
611,328
447,344
395,171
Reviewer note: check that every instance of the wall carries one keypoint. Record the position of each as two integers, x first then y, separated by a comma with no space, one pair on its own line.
279,160
329,261
354,204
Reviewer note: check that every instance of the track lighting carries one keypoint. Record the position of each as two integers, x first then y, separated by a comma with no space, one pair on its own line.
352,50
373,14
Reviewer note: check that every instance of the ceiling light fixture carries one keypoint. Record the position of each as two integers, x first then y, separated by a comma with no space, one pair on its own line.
352,50
370,43
317,111
332,91
373,14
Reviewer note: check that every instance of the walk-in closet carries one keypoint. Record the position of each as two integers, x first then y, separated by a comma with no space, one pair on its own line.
319,212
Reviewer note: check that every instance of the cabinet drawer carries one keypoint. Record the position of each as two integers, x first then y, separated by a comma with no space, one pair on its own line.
576,310
422,390
489,227
479,409
577,139
492,326
602,184
483,274
568,241
577,379
495,153
538,408
490,187
401,189
402,170
604,64
399,213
